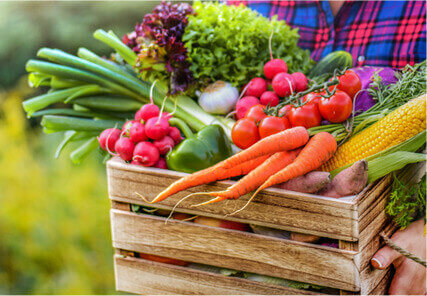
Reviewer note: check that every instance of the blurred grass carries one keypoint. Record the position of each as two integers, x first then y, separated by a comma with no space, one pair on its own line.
54,219
25,26
54,216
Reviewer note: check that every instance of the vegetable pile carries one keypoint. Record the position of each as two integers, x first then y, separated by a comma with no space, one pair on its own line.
222,92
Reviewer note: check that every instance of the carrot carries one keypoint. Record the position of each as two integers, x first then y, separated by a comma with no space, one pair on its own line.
286,140
319,149
255,178
205,176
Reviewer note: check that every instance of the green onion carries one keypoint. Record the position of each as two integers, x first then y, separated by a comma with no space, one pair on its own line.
182,126
63,123
42,101
84,150
119,104
111,40
76,74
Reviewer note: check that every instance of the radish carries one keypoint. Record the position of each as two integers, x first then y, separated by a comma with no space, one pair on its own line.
110,135
274,67
166,115
257,86
269,98
135,162
156,127
164,144
124,147
137,132
146,112
300,81
161,164
244,104
127,126
175,134
283,84
146,153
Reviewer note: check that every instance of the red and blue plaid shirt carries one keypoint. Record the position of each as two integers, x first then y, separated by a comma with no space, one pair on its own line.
377,33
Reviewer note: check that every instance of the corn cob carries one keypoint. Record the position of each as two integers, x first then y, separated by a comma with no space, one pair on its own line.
403,123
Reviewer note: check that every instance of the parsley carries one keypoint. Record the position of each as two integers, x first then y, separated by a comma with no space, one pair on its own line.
407,200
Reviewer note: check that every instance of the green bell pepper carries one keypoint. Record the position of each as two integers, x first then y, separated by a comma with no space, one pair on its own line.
208,147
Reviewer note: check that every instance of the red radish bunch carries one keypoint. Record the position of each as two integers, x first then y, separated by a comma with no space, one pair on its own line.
143,141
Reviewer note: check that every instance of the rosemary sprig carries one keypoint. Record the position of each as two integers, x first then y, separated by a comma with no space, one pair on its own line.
411,84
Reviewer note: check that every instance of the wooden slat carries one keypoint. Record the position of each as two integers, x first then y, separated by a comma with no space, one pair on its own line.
373,246
384,284
367,197
376,208
287,210
145,277
371,278
235,249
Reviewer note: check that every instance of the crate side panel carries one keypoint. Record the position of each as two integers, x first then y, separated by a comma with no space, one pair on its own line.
151,278
234,249
267,210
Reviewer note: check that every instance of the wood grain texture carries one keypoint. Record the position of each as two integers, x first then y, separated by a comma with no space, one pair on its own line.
139,276
235,249
277,208
384,284
371,278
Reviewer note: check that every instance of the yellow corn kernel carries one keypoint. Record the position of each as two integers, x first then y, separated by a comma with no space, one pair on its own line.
403,123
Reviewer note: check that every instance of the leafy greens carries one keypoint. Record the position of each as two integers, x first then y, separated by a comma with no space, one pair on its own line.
230,43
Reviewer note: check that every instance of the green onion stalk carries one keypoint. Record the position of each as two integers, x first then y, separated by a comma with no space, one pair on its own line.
105,77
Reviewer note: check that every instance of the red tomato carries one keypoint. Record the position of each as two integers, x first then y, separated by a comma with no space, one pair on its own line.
312,98
307,116
350,83
256,113
272,125
337,108
284,111
244,133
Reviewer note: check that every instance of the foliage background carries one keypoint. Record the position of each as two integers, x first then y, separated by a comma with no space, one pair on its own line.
54,216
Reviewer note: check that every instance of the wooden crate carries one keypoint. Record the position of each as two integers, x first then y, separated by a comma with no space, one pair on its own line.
354,221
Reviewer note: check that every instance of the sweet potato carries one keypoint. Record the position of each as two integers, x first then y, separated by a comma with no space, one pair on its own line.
348,182
309,183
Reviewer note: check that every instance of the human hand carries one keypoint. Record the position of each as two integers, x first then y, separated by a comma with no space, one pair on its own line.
410,276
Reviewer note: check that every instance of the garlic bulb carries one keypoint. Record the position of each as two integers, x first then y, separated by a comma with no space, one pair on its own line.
219,98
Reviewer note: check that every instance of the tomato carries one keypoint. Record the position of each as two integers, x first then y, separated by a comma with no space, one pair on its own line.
272,125
337,108
244,133
350,83
307,116
256,113
312,98
284,111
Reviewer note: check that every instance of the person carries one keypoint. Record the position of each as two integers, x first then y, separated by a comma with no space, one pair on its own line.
376,33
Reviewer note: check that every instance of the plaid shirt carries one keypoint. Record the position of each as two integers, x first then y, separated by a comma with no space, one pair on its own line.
377,33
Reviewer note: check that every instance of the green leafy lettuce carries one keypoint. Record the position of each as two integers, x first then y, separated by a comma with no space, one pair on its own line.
231,43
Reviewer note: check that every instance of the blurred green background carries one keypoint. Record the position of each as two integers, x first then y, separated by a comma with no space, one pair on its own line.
54,216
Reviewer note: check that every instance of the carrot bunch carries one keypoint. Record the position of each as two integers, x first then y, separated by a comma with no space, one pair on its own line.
273,160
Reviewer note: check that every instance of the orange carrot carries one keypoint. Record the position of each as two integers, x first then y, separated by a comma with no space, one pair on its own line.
256,177
319,149
286,140
205,176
